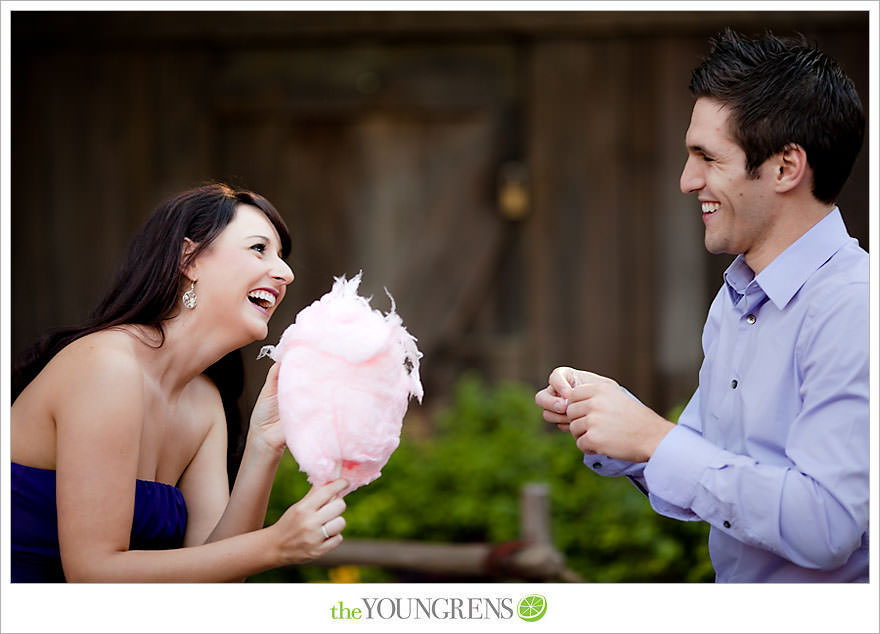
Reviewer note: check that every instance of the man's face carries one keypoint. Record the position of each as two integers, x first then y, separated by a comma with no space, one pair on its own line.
737,208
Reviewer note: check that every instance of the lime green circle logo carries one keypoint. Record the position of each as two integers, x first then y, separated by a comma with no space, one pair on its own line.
532,607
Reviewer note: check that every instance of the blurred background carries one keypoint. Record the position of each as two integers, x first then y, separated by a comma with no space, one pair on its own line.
510,177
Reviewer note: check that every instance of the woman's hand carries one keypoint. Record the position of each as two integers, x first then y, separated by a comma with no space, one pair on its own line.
265,423
299,531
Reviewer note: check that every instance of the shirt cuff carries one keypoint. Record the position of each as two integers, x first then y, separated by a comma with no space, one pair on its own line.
675,470
611,467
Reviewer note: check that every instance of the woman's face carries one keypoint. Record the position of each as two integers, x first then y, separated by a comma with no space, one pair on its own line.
241,278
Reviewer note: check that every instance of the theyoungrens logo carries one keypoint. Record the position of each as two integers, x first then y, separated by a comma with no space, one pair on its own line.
532,607
529,608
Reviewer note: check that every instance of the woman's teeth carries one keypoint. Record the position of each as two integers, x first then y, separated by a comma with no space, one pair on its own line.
264,299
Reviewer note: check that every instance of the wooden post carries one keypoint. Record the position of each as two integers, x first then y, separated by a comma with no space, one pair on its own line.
534,513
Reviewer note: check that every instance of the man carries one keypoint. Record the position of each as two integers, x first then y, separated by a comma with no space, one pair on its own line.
772,450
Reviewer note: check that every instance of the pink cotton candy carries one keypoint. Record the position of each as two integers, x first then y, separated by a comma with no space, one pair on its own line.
346,375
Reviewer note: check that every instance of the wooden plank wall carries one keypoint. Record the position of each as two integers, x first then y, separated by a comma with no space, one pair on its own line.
380,136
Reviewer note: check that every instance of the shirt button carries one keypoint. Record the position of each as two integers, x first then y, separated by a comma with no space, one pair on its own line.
751,319
726,524
734,383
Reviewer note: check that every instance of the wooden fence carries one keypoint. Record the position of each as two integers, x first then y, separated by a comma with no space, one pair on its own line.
531,558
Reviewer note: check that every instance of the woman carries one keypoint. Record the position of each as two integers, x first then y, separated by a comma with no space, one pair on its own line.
119,438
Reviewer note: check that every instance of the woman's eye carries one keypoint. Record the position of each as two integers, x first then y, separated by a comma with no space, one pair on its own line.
259,247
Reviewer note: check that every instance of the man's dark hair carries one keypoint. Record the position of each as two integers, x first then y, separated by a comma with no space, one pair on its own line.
782,91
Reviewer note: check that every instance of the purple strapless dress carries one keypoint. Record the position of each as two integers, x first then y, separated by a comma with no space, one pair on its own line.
159,522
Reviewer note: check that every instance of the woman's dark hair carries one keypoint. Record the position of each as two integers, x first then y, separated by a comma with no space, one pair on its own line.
147,288
782,91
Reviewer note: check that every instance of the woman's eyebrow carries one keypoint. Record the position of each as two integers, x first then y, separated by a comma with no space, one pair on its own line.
261,237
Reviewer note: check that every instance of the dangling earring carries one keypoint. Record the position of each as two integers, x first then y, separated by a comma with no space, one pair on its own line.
189,297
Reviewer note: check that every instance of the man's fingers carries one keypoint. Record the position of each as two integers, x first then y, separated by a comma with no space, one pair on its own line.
548,400
556,419
562,380
586,391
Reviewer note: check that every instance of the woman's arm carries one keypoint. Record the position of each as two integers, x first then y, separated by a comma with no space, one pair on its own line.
295,538
98,408
264,446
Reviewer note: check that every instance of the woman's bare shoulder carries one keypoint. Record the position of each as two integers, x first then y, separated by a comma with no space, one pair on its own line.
105,345
94,381
105,359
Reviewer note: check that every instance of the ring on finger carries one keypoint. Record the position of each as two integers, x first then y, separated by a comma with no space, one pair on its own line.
324,531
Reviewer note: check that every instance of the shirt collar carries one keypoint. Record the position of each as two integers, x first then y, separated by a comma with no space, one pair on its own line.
785,275
738,277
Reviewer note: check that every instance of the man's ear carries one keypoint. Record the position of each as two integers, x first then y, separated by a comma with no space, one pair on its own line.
791,168
187,265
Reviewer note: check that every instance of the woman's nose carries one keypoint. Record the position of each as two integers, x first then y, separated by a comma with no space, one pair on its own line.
283,272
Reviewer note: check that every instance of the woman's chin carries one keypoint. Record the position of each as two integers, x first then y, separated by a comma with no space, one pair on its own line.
255,332
259,333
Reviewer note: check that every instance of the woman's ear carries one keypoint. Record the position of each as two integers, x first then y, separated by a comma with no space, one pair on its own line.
187,265
792,168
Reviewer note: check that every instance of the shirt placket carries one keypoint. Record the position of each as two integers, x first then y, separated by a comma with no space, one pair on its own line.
741,357
748,307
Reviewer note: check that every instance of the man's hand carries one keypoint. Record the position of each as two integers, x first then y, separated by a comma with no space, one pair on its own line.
601,416
553,399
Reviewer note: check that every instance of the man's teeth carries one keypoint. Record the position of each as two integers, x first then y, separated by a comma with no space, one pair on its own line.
710,208
265,298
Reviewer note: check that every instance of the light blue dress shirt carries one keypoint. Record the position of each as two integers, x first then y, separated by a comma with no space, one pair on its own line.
773,448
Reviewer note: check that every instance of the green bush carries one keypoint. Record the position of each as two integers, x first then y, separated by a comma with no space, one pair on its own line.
461,483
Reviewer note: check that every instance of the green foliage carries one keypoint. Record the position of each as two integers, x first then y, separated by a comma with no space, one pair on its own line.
462,483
